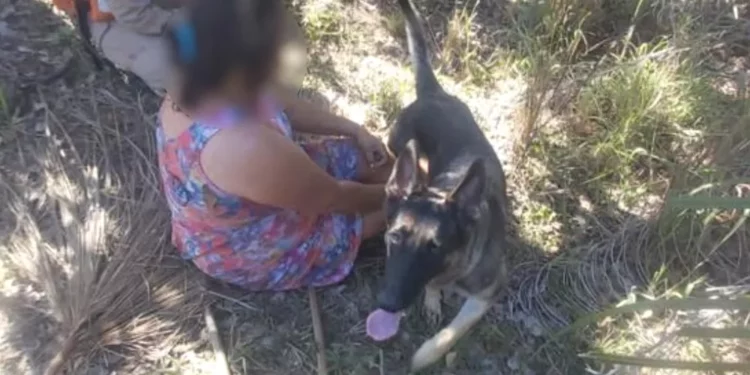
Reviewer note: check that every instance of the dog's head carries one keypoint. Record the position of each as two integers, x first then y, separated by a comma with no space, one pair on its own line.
428,229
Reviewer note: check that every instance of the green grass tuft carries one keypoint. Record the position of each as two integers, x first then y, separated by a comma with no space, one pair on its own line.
324,22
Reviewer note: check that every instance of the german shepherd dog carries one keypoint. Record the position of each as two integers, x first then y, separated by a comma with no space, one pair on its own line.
446,208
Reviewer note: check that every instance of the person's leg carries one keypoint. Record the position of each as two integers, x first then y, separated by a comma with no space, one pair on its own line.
373,224
293,55
143,55
341,158
146,56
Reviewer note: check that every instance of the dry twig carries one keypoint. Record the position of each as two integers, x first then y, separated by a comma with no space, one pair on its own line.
222,366
318,332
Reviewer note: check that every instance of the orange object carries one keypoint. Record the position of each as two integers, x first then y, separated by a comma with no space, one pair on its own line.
95,15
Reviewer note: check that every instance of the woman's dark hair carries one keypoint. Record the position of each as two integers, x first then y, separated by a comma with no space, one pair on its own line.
217,36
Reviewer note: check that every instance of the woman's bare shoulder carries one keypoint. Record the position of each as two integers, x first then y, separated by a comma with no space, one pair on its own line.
238,144
172,119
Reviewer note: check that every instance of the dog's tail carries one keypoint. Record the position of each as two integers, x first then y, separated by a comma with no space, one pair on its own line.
426,80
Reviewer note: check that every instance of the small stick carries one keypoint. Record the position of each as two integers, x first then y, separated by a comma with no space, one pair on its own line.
318,332
57,364
222,367
382,363
234,300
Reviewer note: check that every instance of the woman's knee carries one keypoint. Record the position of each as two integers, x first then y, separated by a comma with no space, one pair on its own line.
373,224
143,55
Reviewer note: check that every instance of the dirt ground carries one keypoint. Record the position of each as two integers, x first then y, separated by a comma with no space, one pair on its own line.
74,139
106,119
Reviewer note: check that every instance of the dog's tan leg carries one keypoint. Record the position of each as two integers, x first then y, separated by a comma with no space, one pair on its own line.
438,346
433,304
424,164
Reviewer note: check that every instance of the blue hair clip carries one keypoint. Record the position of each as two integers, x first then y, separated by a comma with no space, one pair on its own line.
186,46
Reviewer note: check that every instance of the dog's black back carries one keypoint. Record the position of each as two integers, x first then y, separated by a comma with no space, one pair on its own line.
444,226
443,124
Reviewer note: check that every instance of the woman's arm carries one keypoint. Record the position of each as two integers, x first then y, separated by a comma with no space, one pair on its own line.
261,165
309,118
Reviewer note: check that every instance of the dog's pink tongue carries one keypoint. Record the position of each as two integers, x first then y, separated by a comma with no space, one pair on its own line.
382,325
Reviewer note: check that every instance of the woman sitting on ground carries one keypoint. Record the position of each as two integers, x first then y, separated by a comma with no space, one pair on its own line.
250,205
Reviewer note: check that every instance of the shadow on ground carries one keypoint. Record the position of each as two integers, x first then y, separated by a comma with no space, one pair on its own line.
77,169
105,123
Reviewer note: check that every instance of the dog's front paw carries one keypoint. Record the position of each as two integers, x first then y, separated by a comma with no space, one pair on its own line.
433,305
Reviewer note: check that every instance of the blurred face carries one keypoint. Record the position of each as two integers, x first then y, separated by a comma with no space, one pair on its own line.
237,91
244,85
238,60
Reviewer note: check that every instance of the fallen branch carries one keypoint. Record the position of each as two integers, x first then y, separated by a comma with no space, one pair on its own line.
222,367
318,332
58,362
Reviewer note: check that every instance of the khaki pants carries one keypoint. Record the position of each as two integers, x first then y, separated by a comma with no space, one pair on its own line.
147,57
143,55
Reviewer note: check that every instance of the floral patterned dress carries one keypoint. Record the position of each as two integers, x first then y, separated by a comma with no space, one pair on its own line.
255,246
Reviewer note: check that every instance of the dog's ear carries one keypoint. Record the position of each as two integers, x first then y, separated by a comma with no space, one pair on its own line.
406,177
468,194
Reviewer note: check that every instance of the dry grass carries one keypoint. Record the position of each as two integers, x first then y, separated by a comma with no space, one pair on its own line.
86,259
612,109
614,125
100,270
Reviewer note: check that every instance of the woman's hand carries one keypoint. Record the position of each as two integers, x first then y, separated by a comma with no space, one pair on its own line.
371,147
